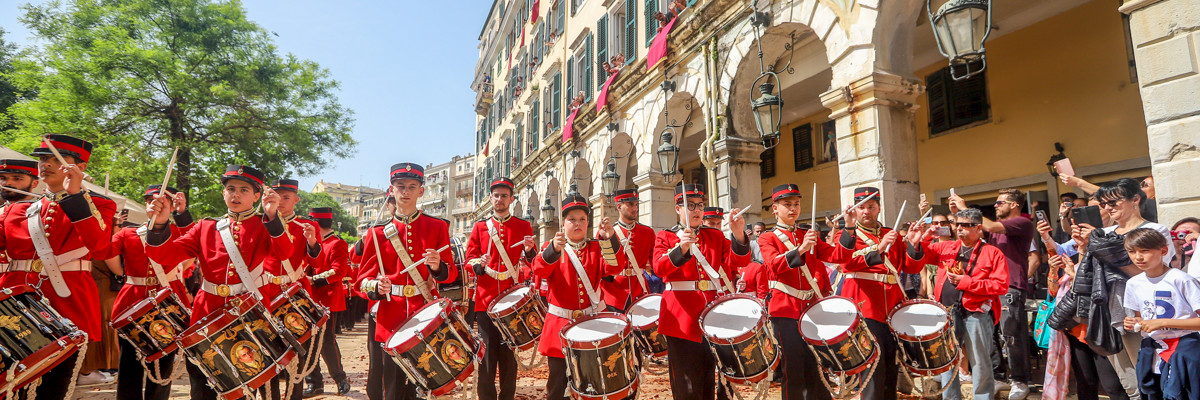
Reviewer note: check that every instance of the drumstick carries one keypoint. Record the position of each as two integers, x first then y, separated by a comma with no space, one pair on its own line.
842,215
19,191
170,168
106,183
54,150
813,249
739,213
898,216
519,243
414,264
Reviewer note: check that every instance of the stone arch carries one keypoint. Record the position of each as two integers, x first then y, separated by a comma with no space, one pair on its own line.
801,81
622,150
534,205
684,114
893,35
581,175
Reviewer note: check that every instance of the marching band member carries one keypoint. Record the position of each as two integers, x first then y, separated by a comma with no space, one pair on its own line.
696,262
871,256
16,174
713,216
494,262
794,258
409,236
227,272
572,265
637,244
142,276
50,242
282,272
328,271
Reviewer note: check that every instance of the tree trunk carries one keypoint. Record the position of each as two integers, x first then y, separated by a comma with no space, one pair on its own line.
183,164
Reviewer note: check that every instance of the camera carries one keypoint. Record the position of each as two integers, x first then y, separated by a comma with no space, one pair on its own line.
1179,235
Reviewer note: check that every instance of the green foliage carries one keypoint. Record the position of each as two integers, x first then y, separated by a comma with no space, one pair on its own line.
140,77
343,222
9,94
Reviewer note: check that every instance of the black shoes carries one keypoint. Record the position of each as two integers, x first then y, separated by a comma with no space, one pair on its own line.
343,387
312,391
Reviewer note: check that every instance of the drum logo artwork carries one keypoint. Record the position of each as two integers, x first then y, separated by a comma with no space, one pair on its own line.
247,357
13,323
295,323
162,332
454,355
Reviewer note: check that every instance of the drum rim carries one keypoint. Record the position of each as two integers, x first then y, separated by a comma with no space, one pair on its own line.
618,394
284,295
127,316
739,338
262,378
756,377
600,344
189,337
18,290
652,325
935,371
844,335
508,311
871,359
461,377
405,346
70,343
940,332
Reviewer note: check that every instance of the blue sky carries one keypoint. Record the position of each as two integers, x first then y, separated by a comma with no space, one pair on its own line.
405,68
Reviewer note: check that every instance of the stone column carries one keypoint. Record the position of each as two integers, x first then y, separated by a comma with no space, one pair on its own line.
876,140
657,206
1166,40
739,175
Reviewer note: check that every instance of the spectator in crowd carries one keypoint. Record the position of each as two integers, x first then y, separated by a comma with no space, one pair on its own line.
971,276
1149,208
755,252
1183,237
1013,234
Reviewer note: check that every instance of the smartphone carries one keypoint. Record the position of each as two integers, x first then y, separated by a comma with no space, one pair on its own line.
952,192
1087,215
1063,167
922,196
1042,216
942,231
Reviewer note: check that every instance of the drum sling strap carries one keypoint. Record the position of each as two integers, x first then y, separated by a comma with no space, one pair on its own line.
235,257
628,247
871,243
393,235
158,269
812,282
708,269
503,251
45,252
593,295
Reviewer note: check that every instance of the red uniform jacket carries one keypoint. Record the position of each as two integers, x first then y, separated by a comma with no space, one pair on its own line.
330,266
417,232
875,299
625,287
755,277
566,288
511,230
128,244
255,240
680,313
301,258
981,289
787,270
70,223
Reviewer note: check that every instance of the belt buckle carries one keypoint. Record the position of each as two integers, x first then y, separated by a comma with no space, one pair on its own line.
576,314
36,265
278,280
410,290
891,279
223,290
151,280
704,285
502,276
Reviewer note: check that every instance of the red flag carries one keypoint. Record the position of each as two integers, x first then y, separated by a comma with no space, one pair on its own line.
522,37
510,60
602,98
485,148
658,49
534,11
568,128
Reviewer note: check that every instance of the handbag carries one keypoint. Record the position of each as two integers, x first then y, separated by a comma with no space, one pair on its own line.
1041,332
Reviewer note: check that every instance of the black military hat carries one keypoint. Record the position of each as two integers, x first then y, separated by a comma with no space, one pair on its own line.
66,145
406,170
785,191
575,202
244,173
154,189
18,166
714,212
502,182
693,190
286,184
321,213
625,195
863,192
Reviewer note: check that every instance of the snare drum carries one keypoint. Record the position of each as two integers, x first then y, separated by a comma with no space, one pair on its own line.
834,328
924,334
519,316
237,347
434,348
601,360
298,313
152,324
643,316
33,337
736,329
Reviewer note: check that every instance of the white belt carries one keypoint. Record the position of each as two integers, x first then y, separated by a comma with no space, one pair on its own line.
35,265
405,290
497,275
572,314
871,276
152,280
690,286
281,279
225,290
791,291
628,272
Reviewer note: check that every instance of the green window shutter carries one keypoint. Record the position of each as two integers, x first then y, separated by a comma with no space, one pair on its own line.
570,92
534,126
691,3
556,117
601,49
518,149
802,147
651,23
630,31
587,70
562,15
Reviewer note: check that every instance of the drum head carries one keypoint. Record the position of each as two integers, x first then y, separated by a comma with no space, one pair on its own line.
509,300
416,323
594,330
731,318
828,318
919,319
645,311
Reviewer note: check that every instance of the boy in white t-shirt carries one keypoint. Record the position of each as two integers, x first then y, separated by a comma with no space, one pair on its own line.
1167,302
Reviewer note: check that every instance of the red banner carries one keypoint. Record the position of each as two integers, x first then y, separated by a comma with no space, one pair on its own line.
569,127
533,12
602,98
658,48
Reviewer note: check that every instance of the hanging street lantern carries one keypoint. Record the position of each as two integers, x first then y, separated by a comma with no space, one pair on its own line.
668,153
767,109
608,181
961,27
548,212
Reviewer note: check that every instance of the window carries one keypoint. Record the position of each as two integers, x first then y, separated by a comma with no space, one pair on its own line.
579,72
767,167
575,5
954,104
630,35
534,126
802,146
829,141
651,23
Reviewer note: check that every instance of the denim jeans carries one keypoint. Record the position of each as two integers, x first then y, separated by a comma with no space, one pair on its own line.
978,347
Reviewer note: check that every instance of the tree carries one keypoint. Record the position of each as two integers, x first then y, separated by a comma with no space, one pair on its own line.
9,94
141,77
343,222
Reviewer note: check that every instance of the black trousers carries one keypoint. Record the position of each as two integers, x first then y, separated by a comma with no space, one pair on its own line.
1093,370
693,370
556,383
55,382
497,358
375,359
396,385
801,376
1014,338
887,370
198,384
332,356
131,376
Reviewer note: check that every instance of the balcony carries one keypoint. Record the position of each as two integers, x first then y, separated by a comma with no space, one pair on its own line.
467,209
464,192
483,102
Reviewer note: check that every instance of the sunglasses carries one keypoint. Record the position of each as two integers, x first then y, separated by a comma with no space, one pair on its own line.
966,224
999,202
942,223
1110,203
